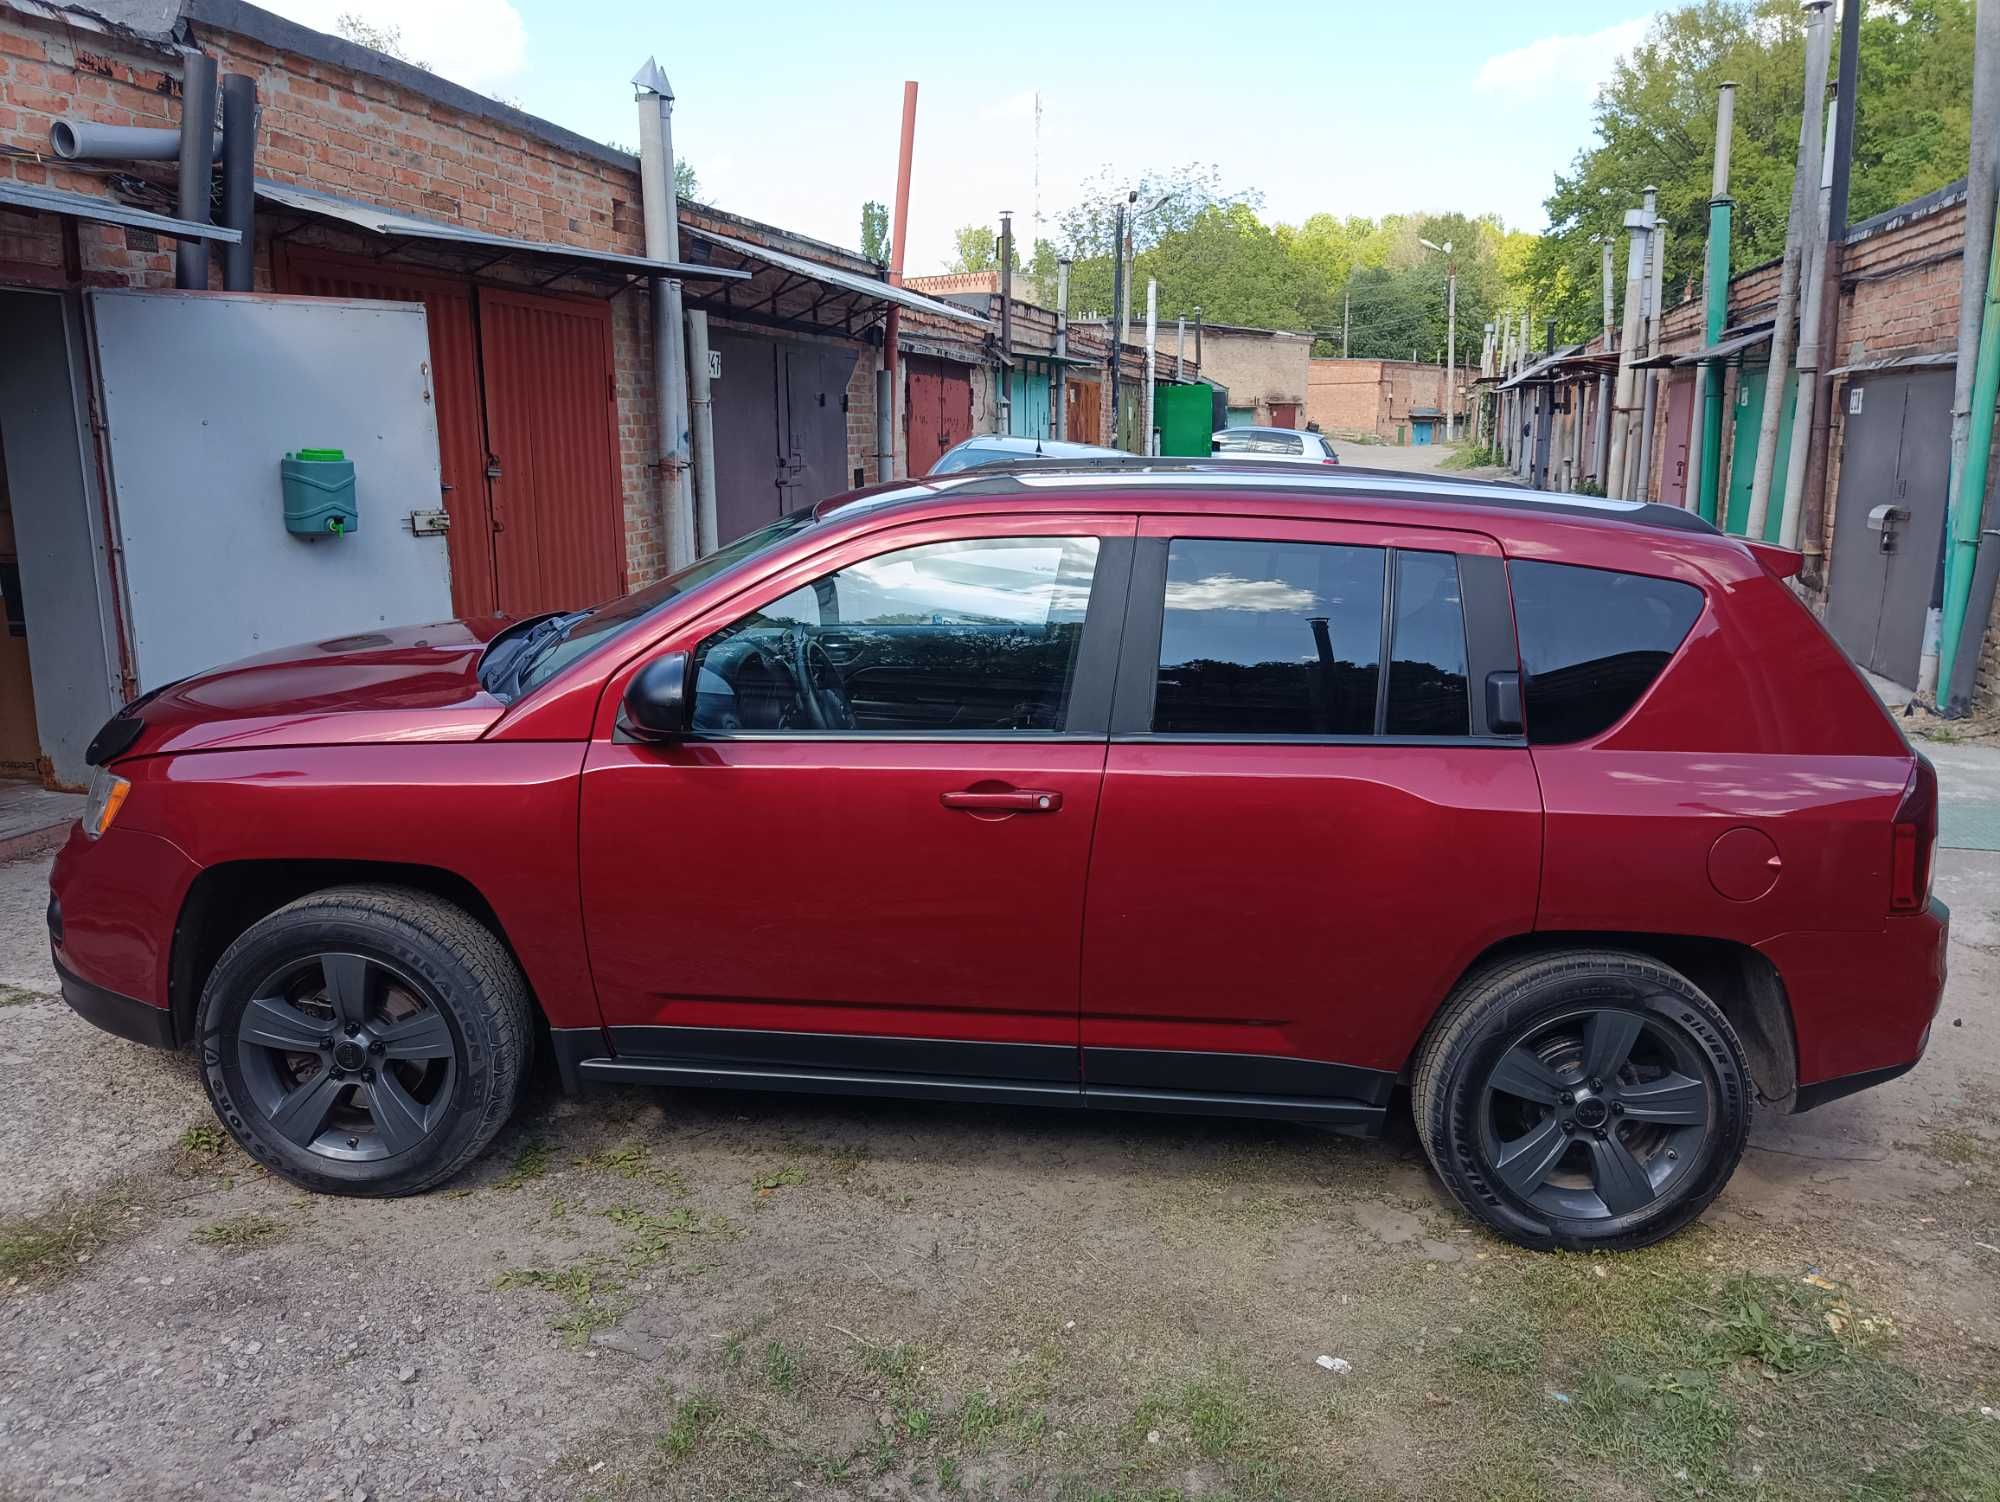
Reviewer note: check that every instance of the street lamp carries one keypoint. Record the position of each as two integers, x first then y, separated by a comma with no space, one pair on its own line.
1120,313
1450,338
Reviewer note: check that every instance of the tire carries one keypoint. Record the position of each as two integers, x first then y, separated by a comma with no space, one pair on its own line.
365,1040
1552,1155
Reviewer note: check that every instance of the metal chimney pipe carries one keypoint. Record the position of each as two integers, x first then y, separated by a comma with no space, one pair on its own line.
1814,280
892,326
1152,358
1805,181
1007,322
75,140
670,405
197,165
1642,483
1628,348
1601,440
239,181
701,447
1059,399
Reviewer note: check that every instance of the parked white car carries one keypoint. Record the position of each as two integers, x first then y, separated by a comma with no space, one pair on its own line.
1276,443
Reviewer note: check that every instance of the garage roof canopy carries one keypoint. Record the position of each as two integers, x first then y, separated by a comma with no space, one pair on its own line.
104,210
789,291
456,248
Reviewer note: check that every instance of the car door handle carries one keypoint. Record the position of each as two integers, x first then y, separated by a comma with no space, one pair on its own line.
1012,801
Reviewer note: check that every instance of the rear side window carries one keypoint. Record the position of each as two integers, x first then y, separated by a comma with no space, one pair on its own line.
1427,663
1269,638
1592,641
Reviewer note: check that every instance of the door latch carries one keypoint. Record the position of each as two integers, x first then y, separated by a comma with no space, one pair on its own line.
1884,520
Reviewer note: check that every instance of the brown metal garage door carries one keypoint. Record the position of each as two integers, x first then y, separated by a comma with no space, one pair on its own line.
527,432
940,410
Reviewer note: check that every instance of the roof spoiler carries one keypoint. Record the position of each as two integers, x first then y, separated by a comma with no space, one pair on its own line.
1779,563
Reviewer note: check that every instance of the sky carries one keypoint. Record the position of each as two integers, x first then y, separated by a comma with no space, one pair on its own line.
789,111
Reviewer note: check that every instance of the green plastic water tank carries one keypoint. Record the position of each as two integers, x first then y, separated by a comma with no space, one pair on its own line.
319,493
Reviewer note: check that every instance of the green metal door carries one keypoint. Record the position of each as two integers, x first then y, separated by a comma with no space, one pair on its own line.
1185,416
1743,450
1028,413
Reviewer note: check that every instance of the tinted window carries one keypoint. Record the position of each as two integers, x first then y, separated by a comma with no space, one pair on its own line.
1592,641
1427,656
1269,638
971,458
972,635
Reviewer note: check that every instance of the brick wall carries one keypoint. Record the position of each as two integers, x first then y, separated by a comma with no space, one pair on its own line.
1371,397
1258,368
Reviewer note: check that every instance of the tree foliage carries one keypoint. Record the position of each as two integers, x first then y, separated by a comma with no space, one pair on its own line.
875,230
1656,126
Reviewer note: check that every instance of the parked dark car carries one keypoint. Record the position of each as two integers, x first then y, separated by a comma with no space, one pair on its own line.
1223,791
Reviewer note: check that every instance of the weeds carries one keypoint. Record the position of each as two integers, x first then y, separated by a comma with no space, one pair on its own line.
45,1248
781,1368
693,1417
204,1140
588,1296
242,1233
530,1163
790,1176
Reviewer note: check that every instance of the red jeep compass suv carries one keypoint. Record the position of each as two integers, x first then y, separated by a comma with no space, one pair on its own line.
1191,788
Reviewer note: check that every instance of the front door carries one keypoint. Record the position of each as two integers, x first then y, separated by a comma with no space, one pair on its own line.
872,850
1298,851
1889,517
1674,465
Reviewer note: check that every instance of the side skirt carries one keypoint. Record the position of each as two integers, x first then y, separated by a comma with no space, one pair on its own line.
988,1073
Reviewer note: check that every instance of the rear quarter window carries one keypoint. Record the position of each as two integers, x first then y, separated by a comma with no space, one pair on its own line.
1592,641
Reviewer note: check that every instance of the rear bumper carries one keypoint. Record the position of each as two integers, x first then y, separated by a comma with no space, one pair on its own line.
1862,1003
126,1016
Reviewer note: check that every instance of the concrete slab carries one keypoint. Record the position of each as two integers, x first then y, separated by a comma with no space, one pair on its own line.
33,819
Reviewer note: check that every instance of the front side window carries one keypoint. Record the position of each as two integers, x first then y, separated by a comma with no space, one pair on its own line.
974,635
1592,641
1269,638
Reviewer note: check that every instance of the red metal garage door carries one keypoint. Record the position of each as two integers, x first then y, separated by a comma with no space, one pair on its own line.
552,433
940,410
455,383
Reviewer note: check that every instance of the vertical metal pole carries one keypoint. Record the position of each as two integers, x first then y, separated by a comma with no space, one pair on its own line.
892,330
1812,524
1451,352
1628,349
1804,182
1715,290
1180,348
1007,323
1545,416
1117,313
1346,312
1809,333
1152,359
1642,486
1059,398
239,186
701,423
662,216
1601,458
197,165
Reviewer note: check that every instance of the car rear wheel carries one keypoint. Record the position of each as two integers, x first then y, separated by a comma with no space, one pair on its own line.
365,1040
1583,1099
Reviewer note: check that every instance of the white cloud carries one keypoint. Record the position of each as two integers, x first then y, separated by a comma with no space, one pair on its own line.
480,43
1233,592
1560,65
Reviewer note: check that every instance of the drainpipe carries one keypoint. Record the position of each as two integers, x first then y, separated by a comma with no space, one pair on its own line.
1601,459
1642,482
1061,398
197,165
1628,347
1818,40
75,140
1716,298
239,174
662,211
1963,500
892,331
1545,417
1812,530
1007,322
1117,313
1524,356
1806,403
1962,540
1152,358
1197,336
1180,349
701,409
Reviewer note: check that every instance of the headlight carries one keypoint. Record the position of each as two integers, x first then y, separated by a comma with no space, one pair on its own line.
107,796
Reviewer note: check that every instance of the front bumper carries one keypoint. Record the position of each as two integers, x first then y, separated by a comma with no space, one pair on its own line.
126,1016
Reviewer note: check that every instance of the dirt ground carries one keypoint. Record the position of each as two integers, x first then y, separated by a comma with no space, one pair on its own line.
708,1295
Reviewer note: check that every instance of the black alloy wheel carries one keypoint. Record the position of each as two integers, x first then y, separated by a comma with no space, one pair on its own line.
1582,1099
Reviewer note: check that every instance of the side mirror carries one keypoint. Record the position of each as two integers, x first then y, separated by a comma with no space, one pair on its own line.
656,701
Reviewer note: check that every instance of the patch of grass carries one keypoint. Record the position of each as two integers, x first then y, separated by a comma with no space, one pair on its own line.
46,1248
781,1368
790,1176
1472,456
16,996
652,1238
242,1233
589,1297
634,1160
530,1163
204,1139
978,1417
693,1417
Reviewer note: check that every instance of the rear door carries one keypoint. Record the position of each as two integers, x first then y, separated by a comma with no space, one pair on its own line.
1297,851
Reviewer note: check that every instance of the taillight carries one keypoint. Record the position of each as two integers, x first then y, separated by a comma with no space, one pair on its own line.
1913,841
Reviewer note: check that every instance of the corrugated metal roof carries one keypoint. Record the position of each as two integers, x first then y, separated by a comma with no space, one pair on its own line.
109,211
834,276
1731,344
1542,370
380,221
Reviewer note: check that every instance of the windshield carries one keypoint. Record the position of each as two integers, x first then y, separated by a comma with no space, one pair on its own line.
560,640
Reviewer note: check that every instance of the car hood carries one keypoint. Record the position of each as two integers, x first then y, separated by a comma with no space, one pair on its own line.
403,683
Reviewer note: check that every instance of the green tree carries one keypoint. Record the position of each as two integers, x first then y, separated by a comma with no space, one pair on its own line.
979,249
875,230
1656,126
687,184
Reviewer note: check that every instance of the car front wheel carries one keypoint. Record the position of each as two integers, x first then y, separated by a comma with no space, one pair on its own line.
1583,1099
365,1040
